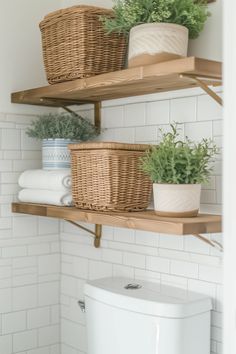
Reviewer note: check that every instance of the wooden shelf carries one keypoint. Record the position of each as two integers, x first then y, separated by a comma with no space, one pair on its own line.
146,220
173,75
167,76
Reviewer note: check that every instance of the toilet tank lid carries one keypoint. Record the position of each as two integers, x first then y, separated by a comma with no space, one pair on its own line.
147,298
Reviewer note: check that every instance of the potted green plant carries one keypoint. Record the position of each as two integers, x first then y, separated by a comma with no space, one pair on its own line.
158,29
57,130
177,169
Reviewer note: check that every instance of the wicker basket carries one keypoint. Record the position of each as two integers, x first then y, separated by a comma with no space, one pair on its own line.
75,44
107,177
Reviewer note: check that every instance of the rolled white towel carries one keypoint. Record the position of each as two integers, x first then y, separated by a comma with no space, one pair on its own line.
38,196
43,179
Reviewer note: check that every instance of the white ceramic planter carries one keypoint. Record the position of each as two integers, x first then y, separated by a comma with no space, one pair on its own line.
156,42
177,200
55,154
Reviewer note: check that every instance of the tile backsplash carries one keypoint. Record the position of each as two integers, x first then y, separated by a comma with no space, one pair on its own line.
185,262
30,254
44,263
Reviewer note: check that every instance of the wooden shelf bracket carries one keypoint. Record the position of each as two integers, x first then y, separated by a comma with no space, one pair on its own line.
97,115
97,234
66,102
212,243
204,86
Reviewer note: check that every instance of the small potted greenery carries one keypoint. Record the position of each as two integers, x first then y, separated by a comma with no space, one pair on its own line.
158,29
57,130
177,169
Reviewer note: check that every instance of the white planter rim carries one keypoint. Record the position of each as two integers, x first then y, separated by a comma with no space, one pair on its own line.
160,25
174,185
56,139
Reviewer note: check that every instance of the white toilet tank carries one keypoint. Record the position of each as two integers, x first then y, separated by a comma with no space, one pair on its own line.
126,316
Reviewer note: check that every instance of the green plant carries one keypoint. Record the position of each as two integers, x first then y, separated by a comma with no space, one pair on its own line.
129,13
179,162
62,125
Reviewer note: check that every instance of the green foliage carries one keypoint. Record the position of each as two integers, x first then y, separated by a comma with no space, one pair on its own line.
62,126
179,162
129,13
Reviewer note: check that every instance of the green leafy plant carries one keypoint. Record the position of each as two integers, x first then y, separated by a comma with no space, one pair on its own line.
179,162
129,13
62,126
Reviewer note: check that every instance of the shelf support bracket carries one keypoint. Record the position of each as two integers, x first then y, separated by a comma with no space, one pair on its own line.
97,108
97,234
212,243
97,114
205,87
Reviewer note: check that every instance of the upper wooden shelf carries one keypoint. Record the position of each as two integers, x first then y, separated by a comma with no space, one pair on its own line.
171,75
146,220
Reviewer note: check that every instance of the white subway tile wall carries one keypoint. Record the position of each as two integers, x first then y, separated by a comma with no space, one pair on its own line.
29,254
184,262
42,276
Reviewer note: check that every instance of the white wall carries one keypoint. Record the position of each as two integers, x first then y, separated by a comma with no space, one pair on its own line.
29,247
209,44
21,63
185,262
104,3
229,180
182,261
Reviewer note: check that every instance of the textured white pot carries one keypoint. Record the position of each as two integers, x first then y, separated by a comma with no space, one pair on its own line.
177,200
156,42
55,154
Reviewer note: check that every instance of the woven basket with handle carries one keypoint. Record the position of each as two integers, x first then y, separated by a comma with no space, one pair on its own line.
75,44
107,177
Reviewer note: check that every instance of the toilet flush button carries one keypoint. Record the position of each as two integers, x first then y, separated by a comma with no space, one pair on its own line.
133,286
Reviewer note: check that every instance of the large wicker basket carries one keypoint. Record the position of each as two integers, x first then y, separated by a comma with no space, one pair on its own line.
75,44
107,177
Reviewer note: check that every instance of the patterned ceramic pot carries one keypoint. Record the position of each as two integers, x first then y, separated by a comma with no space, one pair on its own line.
55,154
177,200
151,43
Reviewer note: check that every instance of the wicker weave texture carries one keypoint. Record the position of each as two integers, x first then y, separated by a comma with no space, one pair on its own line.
109,180
75,44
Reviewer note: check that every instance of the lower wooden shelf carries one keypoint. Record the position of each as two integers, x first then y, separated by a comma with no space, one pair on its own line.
145,220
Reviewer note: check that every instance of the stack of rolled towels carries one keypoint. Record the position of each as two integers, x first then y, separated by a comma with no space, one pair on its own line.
46,187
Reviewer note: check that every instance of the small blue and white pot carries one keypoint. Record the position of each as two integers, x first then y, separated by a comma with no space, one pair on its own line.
55,154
